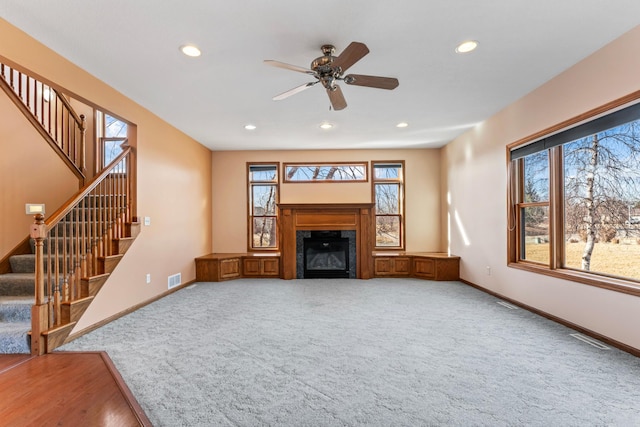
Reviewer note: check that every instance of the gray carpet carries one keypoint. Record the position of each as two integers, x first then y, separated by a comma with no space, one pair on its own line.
382,352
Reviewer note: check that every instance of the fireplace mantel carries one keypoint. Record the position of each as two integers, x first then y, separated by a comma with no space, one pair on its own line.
326,216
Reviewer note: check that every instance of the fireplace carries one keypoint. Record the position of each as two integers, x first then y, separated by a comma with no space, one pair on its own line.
353,221
325,255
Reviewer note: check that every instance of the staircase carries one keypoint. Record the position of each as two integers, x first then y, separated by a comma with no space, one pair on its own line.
50,279
72,255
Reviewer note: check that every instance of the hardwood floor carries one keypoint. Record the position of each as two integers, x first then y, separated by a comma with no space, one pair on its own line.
65,389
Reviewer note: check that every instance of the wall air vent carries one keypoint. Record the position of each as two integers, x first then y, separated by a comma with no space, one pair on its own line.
174,280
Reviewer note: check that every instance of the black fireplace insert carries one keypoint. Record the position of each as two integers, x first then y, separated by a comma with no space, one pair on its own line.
326,255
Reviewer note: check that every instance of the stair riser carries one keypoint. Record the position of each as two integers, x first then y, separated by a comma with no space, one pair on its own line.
94,214
92,285
15,313
69,242
121,246
71,312
108,264
16,286
27,264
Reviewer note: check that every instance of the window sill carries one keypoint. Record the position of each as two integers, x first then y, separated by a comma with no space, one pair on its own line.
610,283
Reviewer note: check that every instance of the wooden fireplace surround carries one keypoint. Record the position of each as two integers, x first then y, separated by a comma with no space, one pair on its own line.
342,216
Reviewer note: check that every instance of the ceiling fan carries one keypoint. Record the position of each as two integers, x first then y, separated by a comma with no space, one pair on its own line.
329,70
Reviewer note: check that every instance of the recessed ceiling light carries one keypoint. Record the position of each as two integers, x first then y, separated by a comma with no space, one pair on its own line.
190,50
326,126
466,46
402,125
250,127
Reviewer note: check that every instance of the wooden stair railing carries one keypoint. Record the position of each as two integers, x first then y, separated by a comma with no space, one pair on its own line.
76,250
51,114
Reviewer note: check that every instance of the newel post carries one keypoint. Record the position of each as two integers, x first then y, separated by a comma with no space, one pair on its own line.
40,310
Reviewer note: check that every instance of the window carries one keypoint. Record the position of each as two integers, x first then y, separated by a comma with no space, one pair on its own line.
323,172
112,133
263,197
534,209
575,202
388,194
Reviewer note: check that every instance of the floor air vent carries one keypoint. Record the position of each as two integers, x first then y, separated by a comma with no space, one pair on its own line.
591,341
506,304
174,280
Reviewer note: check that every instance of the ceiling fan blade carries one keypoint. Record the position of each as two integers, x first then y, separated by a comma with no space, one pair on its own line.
372,81
337,98
352,54
289,66
293,91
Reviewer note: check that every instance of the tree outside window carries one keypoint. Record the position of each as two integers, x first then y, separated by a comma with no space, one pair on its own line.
601,197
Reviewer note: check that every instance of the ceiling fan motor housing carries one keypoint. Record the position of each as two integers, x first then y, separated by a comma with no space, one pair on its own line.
323,66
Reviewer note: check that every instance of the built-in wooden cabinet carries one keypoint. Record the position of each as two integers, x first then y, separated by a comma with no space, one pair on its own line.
219,267
424,265
437,267
391,266
261,266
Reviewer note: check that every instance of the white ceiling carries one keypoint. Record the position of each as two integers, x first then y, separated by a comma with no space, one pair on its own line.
133,46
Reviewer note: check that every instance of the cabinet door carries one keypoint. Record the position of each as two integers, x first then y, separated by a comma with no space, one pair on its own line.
423,267
251,266
229,268
401,266
382,266
271,266
391,266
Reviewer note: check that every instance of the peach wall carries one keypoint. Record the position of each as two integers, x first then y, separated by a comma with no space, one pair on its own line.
174,184
26,162
230,192
474,173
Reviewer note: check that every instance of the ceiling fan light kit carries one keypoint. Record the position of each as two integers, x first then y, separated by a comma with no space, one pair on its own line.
329,69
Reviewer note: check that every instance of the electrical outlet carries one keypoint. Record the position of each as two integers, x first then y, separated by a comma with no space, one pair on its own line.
488,271
148,277
147,220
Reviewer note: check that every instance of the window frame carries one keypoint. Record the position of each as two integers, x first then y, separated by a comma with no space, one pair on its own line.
401,181
250,214
515,193
101,138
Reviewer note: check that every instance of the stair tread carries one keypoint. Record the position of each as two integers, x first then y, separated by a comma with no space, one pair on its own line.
78,300
18,276
16,300
59,328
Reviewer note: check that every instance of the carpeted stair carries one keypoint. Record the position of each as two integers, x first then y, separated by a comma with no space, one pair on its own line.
16,299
